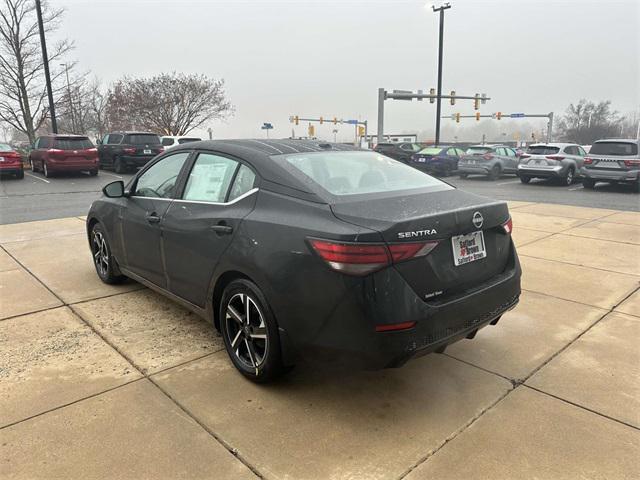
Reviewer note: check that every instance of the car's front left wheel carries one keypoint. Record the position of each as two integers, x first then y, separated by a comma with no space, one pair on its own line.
250,332
106,267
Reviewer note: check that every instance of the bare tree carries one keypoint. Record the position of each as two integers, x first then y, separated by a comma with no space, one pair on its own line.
22,88
170,103
586,122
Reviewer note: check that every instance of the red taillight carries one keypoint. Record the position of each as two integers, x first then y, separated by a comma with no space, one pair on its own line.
365,258
508,226
129,150
554,157
524,155
588,161
395,326
632,163
161,149
487,156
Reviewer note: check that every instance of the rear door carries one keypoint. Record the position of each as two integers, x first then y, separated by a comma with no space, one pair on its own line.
511,160
142,217
198,228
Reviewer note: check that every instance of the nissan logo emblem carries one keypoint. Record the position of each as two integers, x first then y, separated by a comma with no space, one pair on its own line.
478,220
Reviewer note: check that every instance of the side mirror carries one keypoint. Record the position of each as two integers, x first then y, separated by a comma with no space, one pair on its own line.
114,189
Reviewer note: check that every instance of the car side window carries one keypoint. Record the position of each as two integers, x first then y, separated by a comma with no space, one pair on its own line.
159,181
114,139
500,151
460,152
572,150
244,181
581,152
510,152
210,178
36,143
452,152
167,142
44,142
105,140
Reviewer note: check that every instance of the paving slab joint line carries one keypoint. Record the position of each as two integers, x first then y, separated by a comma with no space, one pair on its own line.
577,264
232,450
224,444
576,301
451,437
582,407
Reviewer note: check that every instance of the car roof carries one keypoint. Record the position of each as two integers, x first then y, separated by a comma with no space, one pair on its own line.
622,140
258,153
124,132
553,144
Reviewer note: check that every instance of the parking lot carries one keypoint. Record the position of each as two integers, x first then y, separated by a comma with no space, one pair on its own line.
103,381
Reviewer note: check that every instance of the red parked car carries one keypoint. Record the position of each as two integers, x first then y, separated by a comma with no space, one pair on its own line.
64,153
10,161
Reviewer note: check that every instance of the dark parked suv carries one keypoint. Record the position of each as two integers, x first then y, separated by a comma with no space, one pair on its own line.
122,151
398,151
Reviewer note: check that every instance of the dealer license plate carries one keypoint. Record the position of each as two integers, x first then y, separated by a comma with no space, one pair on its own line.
147,152
468,248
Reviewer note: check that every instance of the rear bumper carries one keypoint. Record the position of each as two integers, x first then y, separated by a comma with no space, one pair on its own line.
542,172
604,175
11,168
136,161
474,169
62,166
349,335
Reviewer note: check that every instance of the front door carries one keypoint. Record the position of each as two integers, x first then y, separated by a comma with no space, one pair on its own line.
198,227
152,195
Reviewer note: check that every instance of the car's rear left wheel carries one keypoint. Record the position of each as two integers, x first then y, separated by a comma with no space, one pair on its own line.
495,172
45,169
250,332
106,267
569,177
525,178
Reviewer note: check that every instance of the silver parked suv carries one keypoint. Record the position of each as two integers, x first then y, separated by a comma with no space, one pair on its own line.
561,161
613,161
489,160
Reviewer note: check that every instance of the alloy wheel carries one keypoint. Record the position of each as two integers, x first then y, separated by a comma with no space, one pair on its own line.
100,253
569,179
246,331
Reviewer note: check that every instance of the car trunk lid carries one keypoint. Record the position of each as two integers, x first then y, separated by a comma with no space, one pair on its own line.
437,216
613,155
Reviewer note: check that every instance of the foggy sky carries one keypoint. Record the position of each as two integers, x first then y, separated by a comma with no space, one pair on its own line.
328,58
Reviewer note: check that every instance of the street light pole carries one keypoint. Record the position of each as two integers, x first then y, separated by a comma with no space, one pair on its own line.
47,76
440,9
73,117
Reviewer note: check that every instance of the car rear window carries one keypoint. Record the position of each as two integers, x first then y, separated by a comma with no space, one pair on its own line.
354,172
430,151
478,150
542,150
187,140
69,143
614,148
142,139
167,141
5,148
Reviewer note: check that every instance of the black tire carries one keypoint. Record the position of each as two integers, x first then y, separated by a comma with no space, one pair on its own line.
588,183
46,171
525,178
33,167
569,178
118,167
93,173
106,267
20,174
463,175
259,359
495,172
636,186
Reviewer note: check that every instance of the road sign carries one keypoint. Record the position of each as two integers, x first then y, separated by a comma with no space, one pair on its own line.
401,94
517,115
351,122
266,126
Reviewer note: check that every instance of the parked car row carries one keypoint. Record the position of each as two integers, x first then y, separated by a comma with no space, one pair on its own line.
612,160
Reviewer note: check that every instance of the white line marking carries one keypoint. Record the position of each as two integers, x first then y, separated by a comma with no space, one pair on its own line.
509,182
111,175
576,188
37,178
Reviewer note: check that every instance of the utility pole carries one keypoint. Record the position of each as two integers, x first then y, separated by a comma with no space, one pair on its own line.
210,132
382,95
440,9
47,76
73,117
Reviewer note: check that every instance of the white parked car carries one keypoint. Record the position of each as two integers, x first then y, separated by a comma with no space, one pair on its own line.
168,141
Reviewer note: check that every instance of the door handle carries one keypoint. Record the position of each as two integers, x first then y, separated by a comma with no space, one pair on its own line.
222,229
153,218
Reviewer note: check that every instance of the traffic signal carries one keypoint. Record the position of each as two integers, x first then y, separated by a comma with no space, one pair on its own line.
321,120
335,120
453,97
432,92
312,130
476,102
457,118
360,131
499,115
477,116
295,119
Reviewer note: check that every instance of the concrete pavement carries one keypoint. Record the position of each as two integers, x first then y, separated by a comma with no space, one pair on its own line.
99,381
